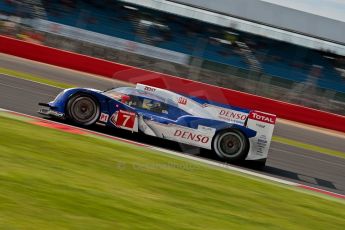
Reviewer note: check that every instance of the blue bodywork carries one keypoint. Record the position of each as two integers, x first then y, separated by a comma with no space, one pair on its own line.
174,115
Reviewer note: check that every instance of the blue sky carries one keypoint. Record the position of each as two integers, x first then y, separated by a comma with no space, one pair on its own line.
334,9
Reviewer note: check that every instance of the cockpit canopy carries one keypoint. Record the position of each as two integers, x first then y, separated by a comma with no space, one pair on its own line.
138,99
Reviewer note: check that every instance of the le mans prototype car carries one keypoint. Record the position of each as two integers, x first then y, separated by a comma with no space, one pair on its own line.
232,133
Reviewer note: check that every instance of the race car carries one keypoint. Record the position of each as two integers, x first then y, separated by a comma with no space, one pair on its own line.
231,133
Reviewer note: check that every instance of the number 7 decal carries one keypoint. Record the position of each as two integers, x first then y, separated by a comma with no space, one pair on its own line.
125,120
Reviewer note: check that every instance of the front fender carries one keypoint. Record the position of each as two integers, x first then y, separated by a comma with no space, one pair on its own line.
108,106
60,101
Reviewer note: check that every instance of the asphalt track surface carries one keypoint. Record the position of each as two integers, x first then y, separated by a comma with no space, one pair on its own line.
285,161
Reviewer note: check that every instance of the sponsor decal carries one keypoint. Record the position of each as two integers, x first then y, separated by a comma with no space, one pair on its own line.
230,114
260,126
104,117
150,89
263,124
264,117
123,119
226,114
199,138
196,137
182,100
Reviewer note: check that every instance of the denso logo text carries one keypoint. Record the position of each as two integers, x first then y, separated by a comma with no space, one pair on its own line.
262,117
230,114
191,136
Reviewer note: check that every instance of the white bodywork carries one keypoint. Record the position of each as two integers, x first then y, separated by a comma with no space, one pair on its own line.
262,123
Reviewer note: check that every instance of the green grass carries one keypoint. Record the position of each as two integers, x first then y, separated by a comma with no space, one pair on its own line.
55,180
31,77
302,145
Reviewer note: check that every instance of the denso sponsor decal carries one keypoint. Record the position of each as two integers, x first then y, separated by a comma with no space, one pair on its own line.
232,115
264,117
190,136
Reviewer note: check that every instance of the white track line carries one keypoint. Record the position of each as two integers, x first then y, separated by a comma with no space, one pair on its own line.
312,128
102,78
58,68
209,162
307,156
30,91
225,166
41,83
201,160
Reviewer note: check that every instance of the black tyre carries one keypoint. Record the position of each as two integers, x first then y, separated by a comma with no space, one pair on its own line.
83,109
230,145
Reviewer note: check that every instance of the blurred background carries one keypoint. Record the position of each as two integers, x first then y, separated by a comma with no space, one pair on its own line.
249,45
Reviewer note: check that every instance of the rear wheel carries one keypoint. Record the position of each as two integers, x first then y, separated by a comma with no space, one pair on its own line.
231,145
83,109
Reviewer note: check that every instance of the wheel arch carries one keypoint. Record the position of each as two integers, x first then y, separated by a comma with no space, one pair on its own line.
82,93
99,98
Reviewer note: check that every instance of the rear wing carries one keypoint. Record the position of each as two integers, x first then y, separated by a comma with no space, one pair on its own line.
263,123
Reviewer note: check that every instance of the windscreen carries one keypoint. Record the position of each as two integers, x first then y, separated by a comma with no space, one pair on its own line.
125,96
148,104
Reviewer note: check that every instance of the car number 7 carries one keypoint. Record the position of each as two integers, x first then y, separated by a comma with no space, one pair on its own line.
127,117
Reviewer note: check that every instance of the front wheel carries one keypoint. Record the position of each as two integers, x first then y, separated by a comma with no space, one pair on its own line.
83,109
231,145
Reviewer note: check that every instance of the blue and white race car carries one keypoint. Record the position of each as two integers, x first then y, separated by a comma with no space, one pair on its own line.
231,133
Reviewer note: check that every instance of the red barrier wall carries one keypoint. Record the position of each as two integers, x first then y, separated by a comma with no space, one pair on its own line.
184,86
